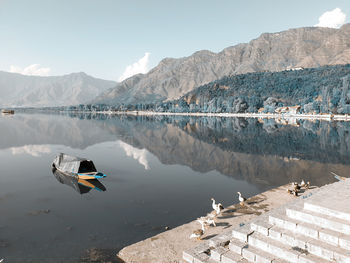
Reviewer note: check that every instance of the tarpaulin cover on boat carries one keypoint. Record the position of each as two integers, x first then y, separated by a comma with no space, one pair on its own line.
73,164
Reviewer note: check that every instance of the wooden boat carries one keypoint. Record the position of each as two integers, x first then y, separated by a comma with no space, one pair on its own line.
77,167
79,185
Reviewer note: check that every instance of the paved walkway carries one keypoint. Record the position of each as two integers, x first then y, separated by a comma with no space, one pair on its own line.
313,228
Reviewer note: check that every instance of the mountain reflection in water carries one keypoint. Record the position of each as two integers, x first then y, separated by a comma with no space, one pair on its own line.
264,152
155,165
260,151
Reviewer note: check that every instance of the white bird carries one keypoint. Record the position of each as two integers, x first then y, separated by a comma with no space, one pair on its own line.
213,205
206,221
201,220
217,207
241,199
210,222
302,184
198,233
212,215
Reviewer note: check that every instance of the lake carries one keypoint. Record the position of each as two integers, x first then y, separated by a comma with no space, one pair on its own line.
161,172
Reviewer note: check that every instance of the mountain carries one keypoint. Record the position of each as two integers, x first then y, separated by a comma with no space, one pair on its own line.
324,89
302,47
17,90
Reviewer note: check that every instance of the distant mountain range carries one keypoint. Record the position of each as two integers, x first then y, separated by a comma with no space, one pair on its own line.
172,78
302,47
18,90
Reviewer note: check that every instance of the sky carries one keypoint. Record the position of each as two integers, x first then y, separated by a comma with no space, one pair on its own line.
114,39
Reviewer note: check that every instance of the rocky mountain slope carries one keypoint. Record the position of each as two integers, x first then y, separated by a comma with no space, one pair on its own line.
34,91
301,47
316,90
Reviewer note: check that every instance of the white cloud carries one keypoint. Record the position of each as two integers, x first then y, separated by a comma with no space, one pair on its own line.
33,150
137,154
334,18
34,69
140,66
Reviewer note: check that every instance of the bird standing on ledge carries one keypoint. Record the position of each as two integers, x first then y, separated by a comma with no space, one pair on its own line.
198,233
241,199
217,207
206,220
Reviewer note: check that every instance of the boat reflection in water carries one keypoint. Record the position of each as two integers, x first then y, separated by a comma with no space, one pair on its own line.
82,186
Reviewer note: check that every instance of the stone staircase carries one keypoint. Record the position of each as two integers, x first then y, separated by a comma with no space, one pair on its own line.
314,228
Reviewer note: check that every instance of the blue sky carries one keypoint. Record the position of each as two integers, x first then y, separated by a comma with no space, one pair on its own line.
103,37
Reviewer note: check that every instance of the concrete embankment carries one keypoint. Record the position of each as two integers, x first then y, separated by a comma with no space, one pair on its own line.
290,117
312,229
168,246
285,116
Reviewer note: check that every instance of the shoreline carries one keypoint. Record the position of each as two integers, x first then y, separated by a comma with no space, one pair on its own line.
168,246
282,116
326,117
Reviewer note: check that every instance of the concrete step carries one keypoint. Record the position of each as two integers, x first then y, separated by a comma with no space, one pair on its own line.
289,238
250,253
236,246
217,253
273,247
331,201
242,233
261,225
221,240
329,236
308,244
283,250
197,254
285,222
326,210
312,259
253,252
253,245
324,221
231,257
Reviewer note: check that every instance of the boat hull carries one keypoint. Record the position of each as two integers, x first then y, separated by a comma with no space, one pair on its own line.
84,176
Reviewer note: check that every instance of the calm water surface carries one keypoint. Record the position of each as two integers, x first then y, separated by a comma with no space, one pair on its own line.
162,171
